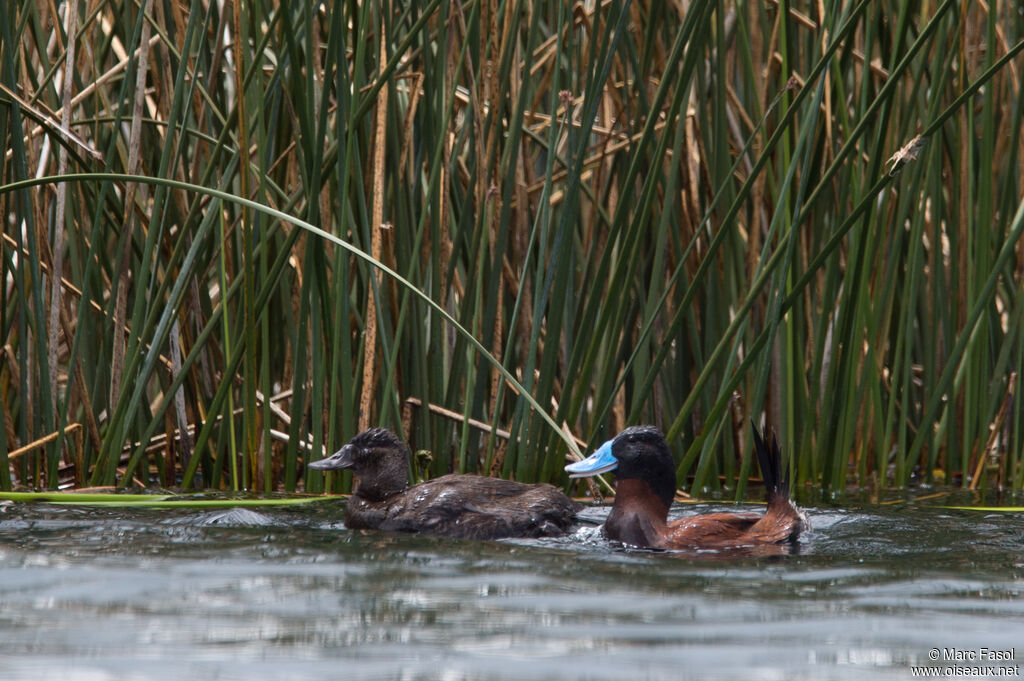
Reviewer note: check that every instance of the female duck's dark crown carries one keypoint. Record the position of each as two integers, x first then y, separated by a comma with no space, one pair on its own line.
377,437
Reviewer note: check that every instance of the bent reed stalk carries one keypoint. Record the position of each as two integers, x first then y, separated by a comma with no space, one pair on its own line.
598,214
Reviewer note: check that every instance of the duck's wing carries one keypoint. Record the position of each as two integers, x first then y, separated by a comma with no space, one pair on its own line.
781,523
476,507
709,530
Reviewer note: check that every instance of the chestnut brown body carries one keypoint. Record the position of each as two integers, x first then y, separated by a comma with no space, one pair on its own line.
645,487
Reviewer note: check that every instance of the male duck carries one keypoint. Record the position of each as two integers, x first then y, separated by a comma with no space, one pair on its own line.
467,506
646,484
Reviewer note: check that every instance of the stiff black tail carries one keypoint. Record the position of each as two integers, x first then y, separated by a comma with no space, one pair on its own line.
776,478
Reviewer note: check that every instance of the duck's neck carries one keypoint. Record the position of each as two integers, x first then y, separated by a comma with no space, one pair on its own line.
638,517
383,477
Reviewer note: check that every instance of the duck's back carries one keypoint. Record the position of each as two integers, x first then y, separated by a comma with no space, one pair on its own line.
470,507
711,530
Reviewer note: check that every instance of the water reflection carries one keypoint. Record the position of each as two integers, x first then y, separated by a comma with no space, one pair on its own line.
289,594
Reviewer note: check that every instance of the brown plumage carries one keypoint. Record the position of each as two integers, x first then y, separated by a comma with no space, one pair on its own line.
646,484
466,506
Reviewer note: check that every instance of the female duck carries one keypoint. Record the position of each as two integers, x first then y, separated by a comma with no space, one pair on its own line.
645,486
467,506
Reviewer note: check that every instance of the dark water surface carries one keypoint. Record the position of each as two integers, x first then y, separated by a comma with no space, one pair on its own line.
287,593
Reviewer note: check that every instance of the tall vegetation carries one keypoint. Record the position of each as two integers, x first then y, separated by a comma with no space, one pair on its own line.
236,233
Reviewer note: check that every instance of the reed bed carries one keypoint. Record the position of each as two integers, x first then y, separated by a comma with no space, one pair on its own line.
506,230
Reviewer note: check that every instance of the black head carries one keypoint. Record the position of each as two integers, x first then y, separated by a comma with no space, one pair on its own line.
378,458
643,454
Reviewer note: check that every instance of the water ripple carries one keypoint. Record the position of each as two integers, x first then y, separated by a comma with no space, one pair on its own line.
289,594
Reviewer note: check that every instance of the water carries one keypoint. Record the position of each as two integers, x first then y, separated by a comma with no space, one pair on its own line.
102,594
